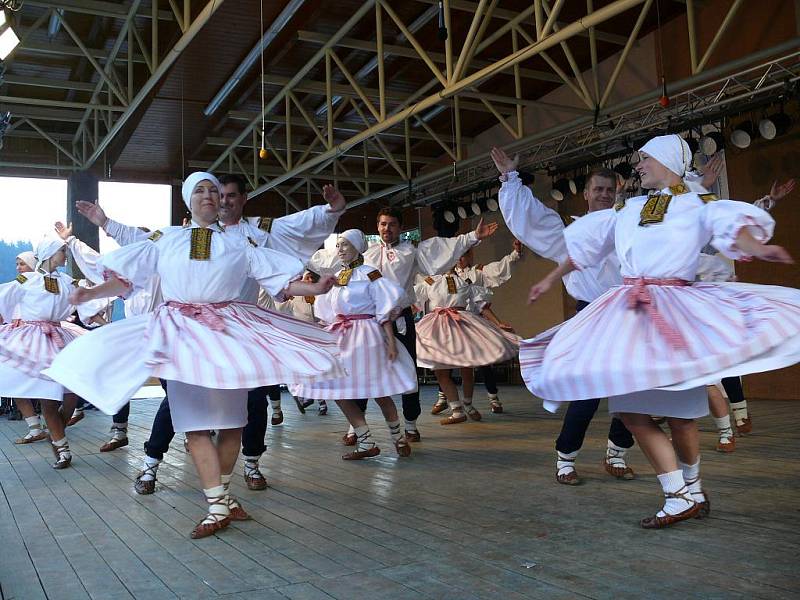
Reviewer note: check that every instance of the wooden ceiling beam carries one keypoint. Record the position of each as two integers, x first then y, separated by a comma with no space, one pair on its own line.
98,8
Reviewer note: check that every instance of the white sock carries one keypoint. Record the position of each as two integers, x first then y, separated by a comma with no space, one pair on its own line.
566,462
351,430
364,438
34,422
491,397
394,429
615,455
411,425
251,465
322,403
119,431
725,430
150,464
739,411
441,398
673,483
222,510
78,411
691,475
60,443
467,401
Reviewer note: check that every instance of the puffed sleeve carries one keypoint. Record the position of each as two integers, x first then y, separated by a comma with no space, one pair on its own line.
387,297
724,219
135,263
479,298
323,308
301,233
534,224
324,262
87,310
498,272
591,238
713,268
124,235
421,293
437,255
10,295
273,271
86,259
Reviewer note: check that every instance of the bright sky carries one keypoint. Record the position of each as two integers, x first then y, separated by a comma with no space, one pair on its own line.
42,202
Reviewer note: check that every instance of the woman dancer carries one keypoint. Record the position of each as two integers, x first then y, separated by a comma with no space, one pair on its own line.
210,347
662,336
451,336
37,334
360,310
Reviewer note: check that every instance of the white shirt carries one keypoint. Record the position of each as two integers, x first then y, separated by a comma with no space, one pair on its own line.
31,301
449,291
669,249
542,230
232,260
366,293
491,275
402,261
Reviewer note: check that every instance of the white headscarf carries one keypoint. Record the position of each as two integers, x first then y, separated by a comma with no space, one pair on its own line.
192,181
28,257
356,238
47,248
672,151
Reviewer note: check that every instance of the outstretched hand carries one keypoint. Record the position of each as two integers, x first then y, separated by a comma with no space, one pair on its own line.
63,231
92,211
484,231
503,163
333,197
539,289
780,191
711,171
773,253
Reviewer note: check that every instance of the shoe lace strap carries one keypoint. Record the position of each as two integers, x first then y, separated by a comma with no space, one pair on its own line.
218,509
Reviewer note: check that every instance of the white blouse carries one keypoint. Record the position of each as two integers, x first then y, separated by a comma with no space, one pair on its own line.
493,274
366,293
449,290
31,301
218,278
669,249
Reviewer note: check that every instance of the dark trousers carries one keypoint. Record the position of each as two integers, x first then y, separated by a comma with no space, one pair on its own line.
162,432
123,414
733,387
579,415
255,431
411,407
252,435
487,372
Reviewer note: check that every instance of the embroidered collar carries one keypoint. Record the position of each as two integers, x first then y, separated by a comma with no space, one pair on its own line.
673,190
215,226
357,262
391,244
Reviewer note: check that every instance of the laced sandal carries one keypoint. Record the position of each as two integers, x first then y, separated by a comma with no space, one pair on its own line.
495,407
362,454
214,521
253,477
439,408
322,410
31,437
349,439
567,474
727,446
63,456
237,512
704,506
657,522
473,413
746,426
145,487
115,442
615,465
453,419
403,447
277,417
76,417
302,404
413,436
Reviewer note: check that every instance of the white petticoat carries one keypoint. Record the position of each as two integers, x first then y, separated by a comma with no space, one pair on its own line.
195,408
16,384
684,404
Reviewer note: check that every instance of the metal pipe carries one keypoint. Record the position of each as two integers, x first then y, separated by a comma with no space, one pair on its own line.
267,38
646,97
208,10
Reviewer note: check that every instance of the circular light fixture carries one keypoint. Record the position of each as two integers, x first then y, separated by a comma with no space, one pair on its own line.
774,125
462,212
475,207
742,135
449,216
712,143
492,204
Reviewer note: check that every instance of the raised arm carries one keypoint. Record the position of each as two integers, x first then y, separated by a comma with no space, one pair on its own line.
301,233
84,256
437,255
498,272
534,224
122,234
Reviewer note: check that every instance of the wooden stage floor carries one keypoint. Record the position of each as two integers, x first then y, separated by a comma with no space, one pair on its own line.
475,513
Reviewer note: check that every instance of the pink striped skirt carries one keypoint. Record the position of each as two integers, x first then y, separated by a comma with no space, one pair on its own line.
672,338
449,338
229,346
362,348
31,346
